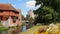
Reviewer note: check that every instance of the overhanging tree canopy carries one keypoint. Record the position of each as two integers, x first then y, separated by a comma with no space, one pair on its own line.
48,12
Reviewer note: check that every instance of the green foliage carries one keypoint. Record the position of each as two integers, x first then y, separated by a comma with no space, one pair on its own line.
22,17
23,24
3,28
49,12
31,21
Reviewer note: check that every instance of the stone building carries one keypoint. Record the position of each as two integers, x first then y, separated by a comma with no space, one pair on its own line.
30,14
9,16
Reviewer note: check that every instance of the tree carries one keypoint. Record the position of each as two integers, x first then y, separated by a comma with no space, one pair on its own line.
22,17
48,12
30,21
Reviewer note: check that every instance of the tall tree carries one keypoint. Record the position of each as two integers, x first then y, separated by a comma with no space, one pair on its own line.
48,12
23,17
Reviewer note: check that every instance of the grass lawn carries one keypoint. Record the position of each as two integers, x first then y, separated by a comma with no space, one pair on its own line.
3,28
35,28
31,30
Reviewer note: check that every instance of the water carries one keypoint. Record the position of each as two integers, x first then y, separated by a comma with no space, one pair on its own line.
11,31
4,32
24,28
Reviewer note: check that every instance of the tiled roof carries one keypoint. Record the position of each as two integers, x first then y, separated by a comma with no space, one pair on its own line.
6,7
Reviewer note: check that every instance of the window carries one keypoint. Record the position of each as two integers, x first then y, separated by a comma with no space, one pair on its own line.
1,11
7,17
0,17
14,19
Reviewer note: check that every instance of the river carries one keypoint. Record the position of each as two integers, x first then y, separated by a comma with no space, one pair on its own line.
11,31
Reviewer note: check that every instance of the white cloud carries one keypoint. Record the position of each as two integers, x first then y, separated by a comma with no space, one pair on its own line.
13,5
30,4
37,6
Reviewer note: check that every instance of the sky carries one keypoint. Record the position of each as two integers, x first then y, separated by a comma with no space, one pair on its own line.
24,5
